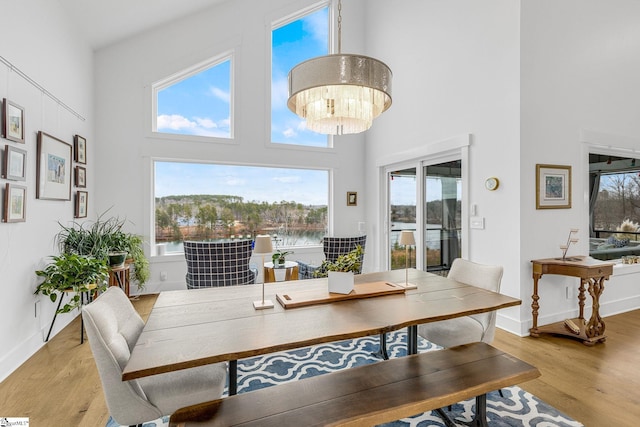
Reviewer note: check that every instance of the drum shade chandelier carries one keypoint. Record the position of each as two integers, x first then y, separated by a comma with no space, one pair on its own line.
340,93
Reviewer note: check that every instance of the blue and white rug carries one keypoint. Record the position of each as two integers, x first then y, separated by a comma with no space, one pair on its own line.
516,408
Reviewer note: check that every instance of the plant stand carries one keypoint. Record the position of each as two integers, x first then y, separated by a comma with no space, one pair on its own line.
120,277
88,295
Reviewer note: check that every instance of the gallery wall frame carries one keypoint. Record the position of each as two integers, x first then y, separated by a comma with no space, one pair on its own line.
553,186
12,121
81,177
15,203
80,149
53,169
352,198
14,166
81,204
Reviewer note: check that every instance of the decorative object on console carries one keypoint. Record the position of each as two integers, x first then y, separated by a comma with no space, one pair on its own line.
262,247
340,93
407,239
570,240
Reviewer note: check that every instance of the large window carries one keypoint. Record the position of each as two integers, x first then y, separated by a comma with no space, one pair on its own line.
614,206
291,43
198,201
196,101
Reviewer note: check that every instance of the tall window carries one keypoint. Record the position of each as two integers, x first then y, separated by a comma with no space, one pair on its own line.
291,43
197,201
196,101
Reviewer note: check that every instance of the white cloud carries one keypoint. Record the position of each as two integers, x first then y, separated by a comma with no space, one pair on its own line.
316,25
220,94
205,123
289,133
287,179
174,122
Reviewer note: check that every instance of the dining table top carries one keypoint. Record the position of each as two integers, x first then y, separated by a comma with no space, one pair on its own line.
189,328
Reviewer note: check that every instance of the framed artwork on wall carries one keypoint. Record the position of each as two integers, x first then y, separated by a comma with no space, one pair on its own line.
82,203
352,198
80,149
15,200
81,177
12,121
15,164
553,187
53,174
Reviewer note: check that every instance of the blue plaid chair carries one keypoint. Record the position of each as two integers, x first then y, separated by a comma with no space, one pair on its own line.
211,264
333,247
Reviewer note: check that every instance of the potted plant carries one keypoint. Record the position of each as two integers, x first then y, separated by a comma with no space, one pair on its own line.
102,238
279,258
72,273
341,271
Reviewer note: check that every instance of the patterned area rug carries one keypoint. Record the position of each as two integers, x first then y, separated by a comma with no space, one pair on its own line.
516,408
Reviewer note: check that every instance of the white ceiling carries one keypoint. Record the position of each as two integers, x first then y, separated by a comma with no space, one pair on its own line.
104,22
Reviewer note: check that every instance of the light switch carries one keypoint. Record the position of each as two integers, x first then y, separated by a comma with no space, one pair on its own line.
477,222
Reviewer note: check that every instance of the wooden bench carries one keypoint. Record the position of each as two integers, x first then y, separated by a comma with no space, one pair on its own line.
371,394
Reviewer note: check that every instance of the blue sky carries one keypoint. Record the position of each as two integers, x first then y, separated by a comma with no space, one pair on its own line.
200,104
261,184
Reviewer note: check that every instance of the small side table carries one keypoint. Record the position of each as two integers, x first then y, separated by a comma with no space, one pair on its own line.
290,272
592,274
120,277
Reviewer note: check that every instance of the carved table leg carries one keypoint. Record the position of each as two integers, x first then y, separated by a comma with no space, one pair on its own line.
535,306
581,297
594,329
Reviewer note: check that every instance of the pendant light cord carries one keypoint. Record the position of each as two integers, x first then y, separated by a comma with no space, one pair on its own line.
339,26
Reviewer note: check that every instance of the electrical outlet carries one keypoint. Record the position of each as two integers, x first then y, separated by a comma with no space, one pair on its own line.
36,309
569,292
163,276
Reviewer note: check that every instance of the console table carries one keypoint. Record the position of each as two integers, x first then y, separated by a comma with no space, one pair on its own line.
592,274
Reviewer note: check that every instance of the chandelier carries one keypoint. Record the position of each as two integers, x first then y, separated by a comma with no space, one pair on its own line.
340,93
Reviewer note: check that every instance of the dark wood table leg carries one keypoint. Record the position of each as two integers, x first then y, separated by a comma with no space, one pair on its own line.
233,377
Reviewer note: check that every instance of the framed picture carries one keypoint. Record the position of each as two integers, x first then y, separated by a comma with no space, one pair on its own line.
12,121
80,149
15,200
15,164
81,177
82,202
553,187
53,174
352,198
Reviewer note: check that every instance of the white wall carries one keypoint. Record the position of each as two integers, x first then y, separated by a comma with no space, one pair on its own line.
456,72
580,68
124,73
38,39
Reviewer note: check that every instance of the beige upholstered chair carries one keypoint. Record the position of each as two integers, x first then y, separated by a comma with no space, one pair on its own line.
474,328
113,327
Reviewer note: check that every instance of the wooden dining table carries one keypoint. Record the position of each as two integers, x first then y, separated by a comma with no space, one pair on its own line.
189,328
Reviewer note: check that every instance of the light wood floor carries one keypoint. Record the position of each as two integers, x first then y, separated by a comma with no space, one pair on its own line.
599,386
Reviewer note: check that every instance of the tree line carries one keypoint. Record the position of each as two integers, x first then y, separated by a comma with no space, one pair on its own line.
207,216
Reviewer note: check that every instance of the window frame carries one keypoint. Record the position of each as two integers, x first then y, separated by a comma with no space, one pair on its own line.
184,74
179,255
279,21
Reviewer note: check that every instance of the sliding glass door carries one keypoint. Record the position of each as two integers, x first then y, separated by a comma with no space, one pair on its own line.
429,194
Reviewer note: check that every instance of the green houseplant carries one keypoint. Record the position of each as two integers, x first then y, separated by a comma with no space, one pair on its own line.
72,273
279,257
349,262
102,237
